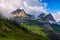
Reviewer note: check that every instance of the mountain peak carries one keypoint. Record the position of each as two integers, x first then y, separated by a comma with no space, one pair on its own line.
48,18
18,12
41,16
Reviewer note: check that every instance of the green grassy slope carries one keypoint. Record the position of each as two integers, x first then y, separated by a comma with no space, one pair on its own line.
12,31
44,29
35,28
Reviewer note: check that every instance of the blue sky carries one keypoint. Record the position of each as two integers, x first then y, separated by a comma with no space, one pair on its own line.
53,5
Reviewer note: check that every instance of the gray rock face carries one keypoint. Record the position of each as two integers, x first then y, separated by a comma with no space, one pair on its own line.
48,18
21,16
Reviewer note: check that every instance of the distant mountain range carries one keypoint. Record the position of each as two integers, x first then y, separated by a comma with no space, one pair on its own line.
21,16
23,26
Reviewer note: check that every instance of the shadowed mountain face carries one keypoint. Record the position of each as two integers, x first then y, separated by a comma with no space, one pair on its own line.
48,18
42,15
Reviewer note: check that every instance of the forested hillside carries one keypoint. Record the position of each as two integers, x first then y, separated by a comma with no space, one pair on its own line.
10,30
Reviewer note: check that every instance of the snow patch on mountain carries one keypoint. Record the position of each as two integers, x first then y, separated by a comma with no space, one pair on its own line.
56,16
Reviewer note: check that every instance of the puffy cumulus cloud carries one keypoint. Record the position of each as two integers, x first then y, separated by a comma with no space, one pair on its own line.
8,5
30,6
57,16
35,7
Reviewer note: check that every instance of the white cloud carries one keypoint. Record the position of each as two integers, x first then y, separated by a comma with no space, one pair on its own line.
57,16
45,4
35,7
30,6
